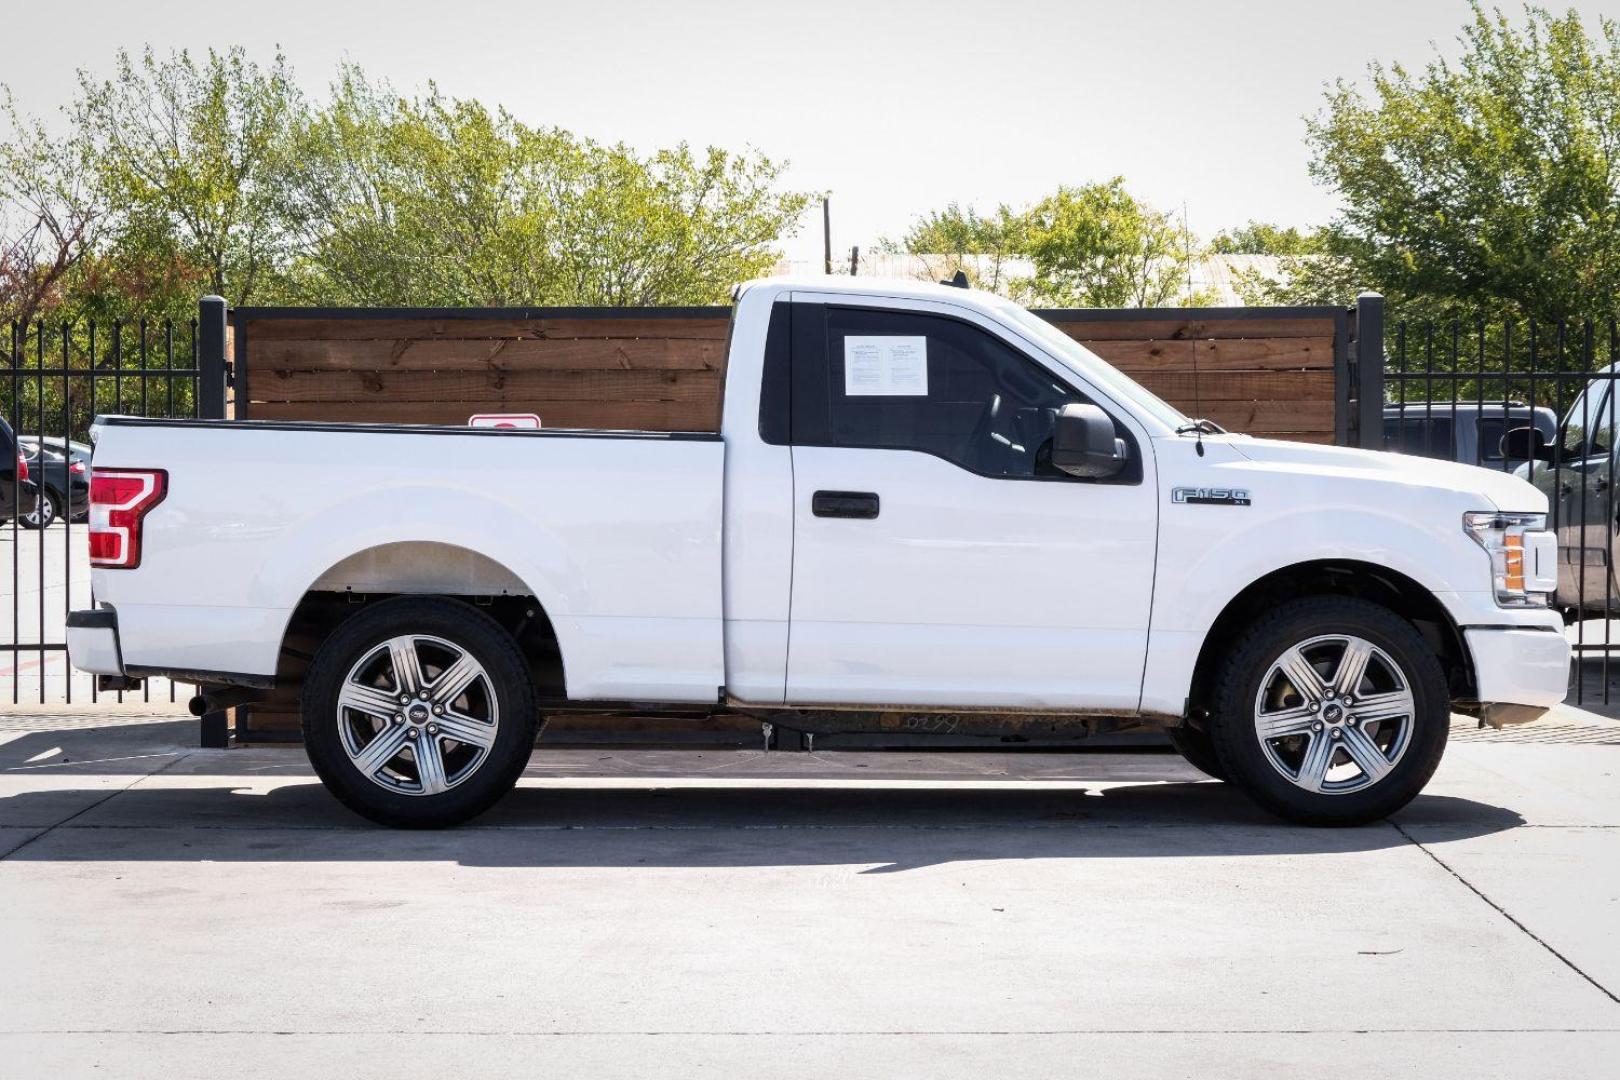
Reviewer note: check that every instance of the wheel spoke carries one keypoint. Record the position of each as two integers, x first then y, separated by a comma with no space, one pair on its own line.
381,749
1302,676
368,700
464,729
1365,753
1313,767
407,665
1286,722
1352,666
1388,706
429,765
454,680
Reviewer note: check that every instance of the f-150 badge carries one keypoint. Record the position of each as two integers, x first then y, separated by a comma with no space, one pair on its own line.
1202,496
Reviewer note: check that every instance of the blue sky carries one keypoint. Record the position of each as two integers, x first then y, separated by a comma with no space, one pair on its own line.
893,107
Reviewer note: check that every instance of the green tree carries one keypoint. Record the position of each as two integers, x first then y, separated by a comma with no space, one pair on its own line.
1263,238
190,158
1099,246
1489,183
960,238
436,200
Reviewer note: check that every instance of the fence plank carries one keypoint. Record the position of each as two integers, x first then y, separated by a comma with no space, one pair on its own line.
493,388
427,327
607,415
1219,354
1256,417
1183,386
415,354
1180,328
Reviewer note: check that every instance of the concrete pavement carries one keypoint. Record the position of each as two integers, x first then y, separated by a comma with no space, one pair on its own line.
172,912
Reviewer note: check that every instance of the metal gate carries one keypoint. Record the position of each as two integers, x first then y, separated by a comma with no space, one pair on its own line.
54,379
1535,400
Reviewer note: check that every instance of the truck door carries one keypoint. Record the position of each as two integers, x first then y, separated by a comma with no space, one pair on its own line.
938,558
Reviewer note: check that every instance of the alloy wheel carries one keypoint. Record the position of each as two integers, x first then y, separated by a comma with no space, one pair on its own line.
1334,714
417,715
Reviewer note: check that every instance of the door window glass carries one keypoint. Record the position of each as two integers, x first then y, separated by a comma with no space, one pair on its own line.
910,381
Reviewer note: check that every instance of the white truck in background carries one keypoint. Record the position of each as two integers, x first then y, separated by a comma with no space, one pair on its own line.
925,510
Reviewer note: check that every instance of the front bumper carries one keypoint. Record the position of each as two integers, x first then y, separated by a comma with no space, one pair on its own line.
92,641
1519,672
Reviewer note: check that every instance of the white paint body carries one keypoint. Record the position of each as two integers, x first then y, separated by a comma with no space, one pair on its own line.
683,569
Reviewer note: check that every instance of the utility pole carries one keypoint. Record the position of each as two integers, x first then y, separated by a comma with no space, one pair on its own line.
826,235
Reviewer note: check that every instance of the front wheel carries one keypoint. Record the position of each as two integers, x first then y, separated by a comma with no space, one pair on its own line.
419,712
1332,711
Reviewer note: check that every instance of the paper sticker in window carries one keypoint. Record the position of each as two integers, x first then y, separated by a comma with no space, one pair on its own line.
886,366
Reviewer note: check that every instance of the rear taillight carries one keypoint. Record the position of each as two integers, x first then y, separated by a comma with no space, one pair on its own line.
119,499
77,467
22,466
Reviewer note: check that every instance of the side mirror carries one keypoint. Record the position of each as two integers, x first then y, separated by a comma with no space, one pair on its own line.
1083,443
1525,444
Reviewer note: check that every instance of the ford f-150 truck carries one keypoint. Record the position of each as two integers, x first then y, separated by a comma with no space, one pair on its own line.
924,510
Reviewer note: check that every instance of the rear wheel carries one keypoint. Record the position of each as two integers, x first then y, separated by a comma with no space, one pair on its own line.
1332,711
419,712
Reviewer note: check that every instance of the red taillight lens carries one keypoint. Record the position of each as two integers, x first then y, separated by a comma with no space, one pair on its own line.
77,467
22,466
119,499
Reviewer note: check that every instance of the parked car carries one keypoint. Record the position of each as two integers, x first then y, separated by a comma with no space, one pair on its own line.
1467,431
1577,470
18,493
923,509
62,471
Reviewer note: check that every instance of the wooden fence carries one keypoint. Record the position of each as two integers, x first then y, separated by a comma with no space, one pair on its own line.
1266,371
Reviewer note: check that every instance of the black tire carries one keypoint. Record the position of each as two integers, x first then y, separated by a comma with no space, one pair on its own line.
1239,746
1196,747
506,687
46,511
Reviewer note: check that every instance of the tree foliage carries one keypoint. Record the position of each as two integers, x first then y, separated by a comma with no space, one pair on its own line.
1264,238
183,174
1099,246
443,201
1487,183
1095,245
959,238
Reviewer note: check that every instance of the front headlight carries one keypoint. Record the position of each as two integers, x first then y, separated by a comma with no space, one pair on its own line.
1503,538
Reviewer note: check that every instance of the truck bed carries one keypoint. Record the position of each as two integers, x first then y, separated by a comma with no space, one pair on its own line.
617,534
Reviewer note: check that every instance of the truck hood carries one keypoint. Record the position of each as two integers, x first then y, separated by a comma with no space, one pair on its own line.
1498,490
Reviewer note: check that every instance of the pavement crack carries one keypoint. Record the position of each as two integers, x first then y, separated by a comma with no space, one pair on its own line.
85,810
1502,911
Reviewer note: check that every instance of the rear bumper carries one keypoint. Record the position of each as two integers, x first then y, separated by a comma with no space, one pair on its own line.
1521,667
92,641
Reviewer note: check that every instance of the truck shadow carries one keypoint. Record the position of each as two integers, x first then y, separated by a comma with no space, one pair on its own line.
906,812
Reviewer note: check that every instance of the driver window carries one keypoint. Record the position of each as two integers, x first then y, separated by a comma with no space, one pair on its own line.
922,382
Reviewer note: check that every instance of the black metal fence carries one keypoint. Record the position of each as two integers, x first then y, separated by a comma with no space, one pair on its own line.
1457,388
54,380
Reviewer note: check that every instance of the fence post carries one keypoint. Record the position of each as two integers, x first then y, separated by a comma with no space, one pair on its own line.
1369,382
213,372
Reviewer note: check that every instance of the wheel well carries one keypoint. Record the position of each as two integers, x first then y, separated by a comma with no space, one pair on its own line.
319,613
1335,577
422,569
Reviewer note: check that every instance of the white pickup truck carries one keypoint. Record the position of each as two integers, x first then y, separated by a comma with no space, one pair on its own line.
925,510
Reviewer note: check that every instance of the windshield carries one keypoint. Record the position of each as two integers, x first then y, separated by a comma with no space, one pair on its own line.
1095,367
